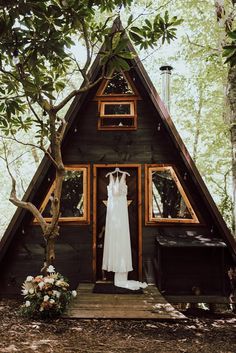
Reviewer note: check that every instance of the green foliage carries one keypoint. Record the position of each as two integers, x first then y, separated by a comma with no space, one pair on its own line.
115,54
230,49
36,38
148,35
198,104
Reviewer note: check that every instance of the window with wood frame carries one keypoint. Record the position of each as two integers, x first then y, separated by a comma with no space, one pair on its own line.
117,103
74,198
166,200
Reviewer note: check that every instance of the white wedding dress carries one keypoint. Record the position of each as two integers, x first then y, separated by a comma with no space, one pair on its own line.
117,249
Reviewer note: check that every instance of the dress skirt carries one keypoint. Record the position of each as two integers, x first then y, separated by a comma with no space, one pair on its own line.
117,248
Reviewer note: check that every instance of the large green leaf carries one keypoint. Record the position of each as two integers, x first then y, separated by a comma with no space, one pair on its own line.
126,55
232,35
116,40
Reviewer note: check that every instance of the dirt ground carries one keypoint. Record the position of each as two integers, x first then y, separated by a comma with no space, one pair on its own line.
203,333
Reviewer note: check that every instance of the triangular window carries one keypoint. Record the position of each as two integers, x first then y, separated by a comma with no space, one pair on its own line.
117,103
74,198
118,85
167,200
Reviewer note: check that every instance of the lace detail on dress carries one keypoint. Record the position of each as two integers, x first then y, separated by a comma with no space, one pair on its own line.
117,248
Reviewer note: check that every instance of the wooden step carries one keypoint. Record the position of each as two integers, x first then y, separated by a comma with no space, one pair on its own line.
211,299
122,314
149,305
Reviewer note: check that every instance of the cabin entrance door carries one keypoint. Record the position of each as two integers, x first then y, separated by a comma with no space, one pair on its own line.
99,217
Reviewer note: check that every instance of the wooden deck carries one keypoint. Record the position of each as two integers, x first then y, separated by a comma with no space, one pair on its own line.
149,305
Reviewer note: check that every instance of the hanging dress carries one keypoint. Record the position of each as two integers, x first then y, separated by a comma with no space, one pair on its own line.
117,248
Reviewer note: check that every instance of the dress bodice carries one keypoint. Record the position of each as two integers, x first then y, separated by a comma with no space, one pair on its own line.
117,187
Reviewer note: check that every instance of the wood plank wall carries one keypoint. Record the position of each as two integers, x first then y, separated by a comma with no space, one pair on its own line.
86,145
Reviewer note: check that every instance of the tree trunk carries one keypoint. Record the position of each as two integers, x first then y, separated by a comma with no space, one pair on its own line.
231,95
198,124
50,247
53,228
35,155
224,15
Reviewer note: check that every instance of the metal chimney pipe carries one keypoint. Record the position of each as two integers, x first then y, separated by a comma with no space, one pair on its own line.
166,72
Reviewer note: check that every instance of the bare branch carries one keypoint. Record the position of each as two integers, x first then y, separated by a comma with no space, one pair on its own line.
95,44
74,93
18,157
148,13
33,111
219,185
8,73
200,45
39,121
31,145
16,201
4,98
62,129
88,50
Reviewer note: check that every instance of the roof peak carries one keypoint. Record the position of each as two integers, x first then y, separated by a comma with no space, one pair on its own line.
117,24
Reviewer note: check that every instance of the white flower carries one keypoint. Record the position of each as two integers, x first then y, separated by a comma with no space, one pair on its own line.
52,301
56,293
31,291
41,285
45,298
51,269
24,291
74,293
29,279
27,303
59,283
49,280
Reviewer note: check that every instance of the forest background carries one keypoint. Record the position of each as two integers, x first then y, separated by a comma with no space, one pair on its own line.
199,105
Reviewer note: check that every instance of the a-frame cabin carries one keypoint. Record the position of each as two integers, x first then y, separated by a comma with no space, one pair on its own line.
179,239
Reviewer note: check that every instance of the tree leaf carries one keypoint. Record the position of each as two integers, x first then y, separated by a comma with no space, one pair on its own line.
122,64
135,37
130,19
136,30
127,55
121,45
49,95
232,34
115,39
148,23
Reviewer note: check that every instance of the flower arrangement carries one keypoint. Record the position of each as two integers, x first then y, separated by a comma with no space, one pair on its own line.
46,296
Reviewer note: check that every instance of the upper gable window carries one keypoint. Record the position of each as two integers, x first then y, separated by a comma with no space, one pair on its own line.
117,103
166,198
74,197
117,85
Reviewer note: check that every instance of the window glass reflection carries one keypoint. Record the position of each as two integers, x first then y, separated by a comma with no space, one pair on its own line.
72,199
117,109
117,85
167,201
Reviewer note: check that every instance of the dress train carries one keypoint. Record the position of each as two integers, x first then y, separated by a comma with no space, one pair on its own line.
121,280
117,246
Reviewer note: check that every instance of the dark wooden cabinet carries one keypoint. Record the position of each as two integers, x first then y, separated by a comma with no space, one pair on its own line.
189,265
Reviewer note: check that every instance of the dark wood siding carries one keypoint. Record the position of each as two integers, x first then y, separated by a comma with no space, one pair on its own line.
84,144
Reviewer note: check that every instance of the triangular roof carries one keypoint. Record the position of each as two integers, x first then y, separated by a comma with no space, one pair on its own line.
71,115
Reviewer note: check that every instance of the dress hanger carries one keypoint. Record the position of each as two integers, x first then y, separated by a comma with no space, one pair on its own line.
117,170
